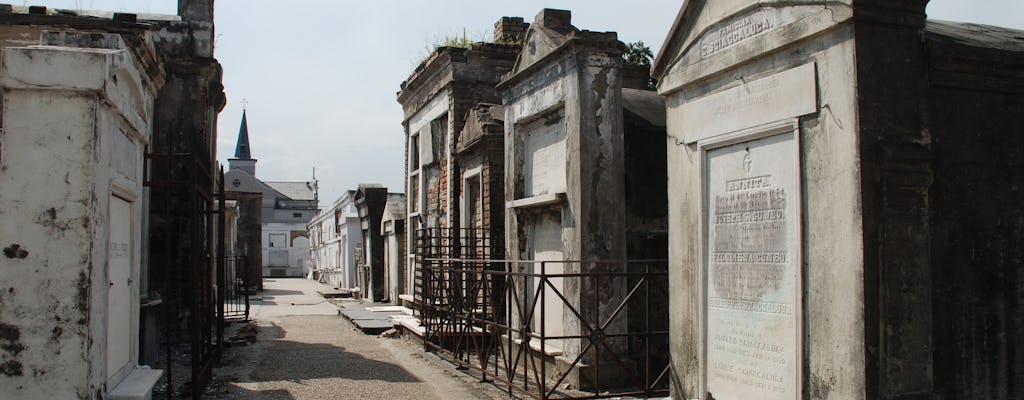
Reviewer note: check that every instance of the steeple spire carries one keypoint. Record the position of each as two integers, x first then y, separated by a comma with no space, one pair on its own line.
242,148
243,156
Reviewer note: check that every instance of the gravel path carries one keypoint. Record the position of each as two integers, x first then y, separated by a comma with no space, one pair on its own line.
323,356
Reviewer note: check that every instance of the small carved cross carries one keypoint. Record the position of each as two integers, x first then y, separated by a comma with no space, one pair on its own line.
747,161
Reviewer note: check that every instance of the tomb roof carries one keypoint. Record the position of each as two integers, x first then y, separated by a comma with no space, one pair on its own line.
647,104
294,190
975,35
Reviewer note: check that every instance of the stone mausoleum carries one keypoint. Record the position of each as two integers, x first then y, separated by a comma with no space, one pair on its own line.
579,131
96,106
844,202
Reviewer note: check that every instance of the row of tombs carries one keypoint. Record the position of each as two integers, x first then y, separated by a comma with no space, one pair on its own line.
456,104
791,187
835,186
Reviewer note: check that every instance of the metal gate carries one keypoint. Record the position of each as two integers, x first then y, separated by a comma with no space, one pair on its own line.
184,266
557,329
238,286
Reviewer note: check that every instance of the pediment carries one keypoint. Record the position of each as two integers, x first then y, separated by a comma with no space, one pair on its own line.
713,35
549,31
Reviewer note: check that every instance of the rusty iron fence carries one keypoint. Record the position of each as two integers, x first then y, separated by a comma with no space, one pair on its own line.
548,329
454,243
184,266
238,286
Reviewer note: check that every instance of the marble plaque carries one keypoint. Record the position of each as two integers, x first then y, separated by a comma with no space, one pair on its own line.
544,161
787,94
752,270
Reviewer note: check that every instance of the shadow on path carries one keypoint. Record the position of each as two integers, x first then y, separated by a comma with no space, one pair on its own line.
309,362
293,361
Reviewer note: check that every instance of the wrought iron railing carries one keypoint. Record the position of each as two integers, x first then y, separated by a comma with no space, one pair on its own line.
551,329
465,243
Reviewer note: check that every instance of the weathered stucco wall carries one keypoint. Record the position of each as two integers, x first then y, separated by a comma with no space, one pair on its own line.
74,124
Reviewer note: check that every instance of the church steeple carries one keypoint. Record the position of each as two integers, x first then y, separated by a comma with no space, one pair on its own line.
243,156
242,148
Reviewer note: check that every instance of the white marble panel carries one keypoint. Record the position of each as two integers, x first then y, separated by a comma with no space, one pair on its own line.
787,94
119,270
752,269
544,171
546,249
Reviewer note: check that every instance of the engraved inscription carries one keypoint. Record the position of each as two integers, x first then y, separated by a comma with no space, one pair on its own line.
118,250
752,258
750,239
752,306
751,94
736,33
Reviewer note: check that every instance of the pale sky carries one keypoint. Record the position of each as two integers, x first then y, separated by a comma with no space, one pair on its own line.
320,77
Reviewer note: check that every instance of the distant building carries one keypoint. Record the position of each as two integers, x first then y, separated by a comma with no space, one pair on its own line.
334,237
358,243
287,209
392,229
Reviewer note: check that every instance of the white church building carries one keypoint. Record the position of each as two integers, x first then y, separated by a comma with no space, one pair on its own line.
287,209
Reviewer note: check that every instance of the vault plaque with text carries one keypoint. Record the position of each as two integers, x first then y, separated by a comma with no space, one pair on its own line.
752,270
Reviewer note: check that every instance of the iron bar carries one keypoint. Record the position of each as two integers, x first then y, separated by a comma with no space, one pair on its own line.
473,302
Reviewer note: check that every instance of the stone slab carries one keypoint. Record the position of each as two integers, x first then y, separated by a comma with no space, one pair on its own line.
413,325
138,385
372,326
787,94
752,269
545,155
331,293
387,309
361,314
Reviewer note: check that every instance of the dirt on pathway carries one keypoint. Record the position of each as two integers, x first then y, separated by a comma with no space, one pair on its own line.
325,357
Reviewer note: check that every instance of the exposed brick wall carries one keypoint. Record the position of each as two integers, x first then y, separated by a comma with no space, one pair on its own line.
510,30
469,76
